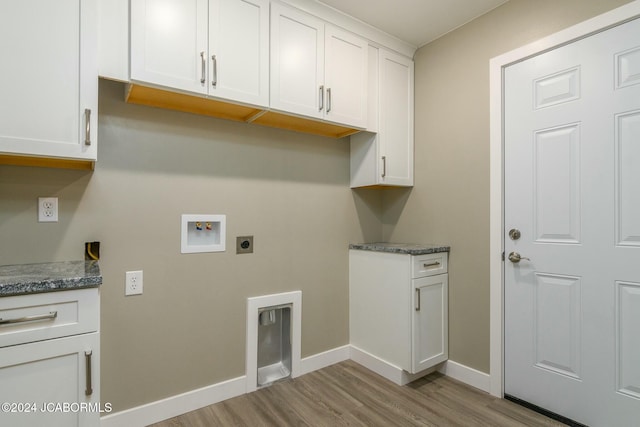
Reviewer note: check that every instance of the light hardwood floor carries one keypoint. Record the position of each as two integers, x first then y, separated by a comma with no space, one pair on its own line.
347,394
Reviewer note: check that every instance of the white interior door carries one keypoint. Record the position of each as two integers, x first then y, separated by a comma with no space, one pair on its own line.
572,189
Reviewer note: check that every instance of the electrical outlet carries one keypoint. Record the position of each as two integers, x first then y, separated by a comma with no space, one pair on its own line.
133,283
47,209
244,244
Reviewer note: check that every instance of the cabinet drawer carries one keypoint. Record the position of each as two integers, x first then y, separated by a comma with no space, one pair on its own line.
36,317
429,265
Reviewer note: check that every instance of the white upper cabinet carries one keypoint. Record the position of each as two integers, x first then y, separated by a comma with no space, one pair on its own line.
239,50
215,47
169,43
317,70
346,77
384,154
49,81
396,119
297,62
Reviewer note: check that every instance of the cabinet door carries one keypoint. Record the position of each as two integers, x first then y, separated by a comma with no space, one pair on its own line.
239,50
297,62
47,375
49,77
396,119
430,322
169,43
346,63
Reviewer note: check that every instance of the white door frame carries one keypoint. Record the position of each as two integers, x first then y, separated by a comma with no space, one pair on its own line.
496,170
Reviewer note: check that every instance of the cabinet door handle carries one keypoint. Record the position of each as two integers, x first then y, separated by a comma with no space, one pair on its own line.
38,318
87,358
328,99
433,264
87,126
384,166
321,98
214,80
203,71
417,299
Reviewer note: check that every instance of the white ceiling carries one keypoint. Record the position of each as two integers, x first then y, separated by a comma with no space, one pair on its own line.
415,21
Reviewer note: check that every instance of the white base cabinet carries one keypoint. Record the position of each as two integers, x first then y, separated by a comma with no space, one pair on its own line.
398,307
50,366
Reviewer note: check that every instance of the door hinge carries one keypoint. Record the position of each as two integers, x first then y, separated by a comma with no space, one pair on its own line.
503,255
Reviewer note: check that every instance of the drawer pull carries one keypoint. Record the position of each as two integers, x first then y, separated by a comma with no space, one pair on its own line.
433,264
87,357
52,315
417,299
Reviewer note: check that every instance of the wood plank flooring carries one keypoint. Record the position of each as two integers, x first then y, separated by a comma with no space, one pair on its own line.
347,394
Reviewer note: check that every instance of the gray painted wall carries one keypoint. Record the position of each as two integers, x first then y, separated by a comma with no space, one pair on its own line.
291,191
450,201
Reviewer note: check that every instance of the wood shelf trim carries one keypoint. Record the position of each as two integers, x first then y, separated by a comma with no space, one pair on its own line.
153,97
45,162
160,98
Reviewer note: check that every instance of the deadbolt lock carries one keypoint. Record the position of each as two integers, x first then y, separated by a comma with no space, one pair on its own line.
514,234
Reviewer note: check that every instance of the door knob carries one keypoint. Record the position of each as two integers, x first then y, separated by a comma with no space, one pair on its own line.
515,257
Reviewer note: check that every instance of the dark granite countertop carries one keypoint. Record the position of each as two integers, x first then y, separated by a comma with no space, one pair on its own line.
400,248
22,279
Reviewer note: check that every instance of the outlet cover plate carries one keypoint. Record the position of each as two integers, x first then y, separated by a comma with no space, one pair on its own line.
47,209
133,283
244,244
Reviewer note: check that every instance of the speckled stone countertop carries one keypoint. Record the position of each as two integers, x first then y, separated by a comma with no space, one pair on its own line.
400,248
22,279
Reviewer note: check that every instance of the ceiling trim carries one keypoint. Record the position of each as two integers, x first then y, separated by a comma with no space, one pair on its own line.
375,36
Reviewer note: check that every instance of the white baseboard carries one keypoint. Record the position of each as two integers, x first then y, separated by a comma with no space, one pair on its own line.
190,401
386,369
324,359
467,375
176,405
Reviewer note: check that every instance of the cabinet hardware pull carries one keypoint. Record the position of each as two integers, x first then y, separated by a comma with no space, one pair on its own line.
87,358
214,80
433,264
87,126
328,99
417,299
321,98
384,166
52,315
203,63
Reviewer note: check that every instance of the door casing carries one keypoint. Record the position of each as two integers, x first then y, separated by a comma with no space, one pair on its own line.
496,169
